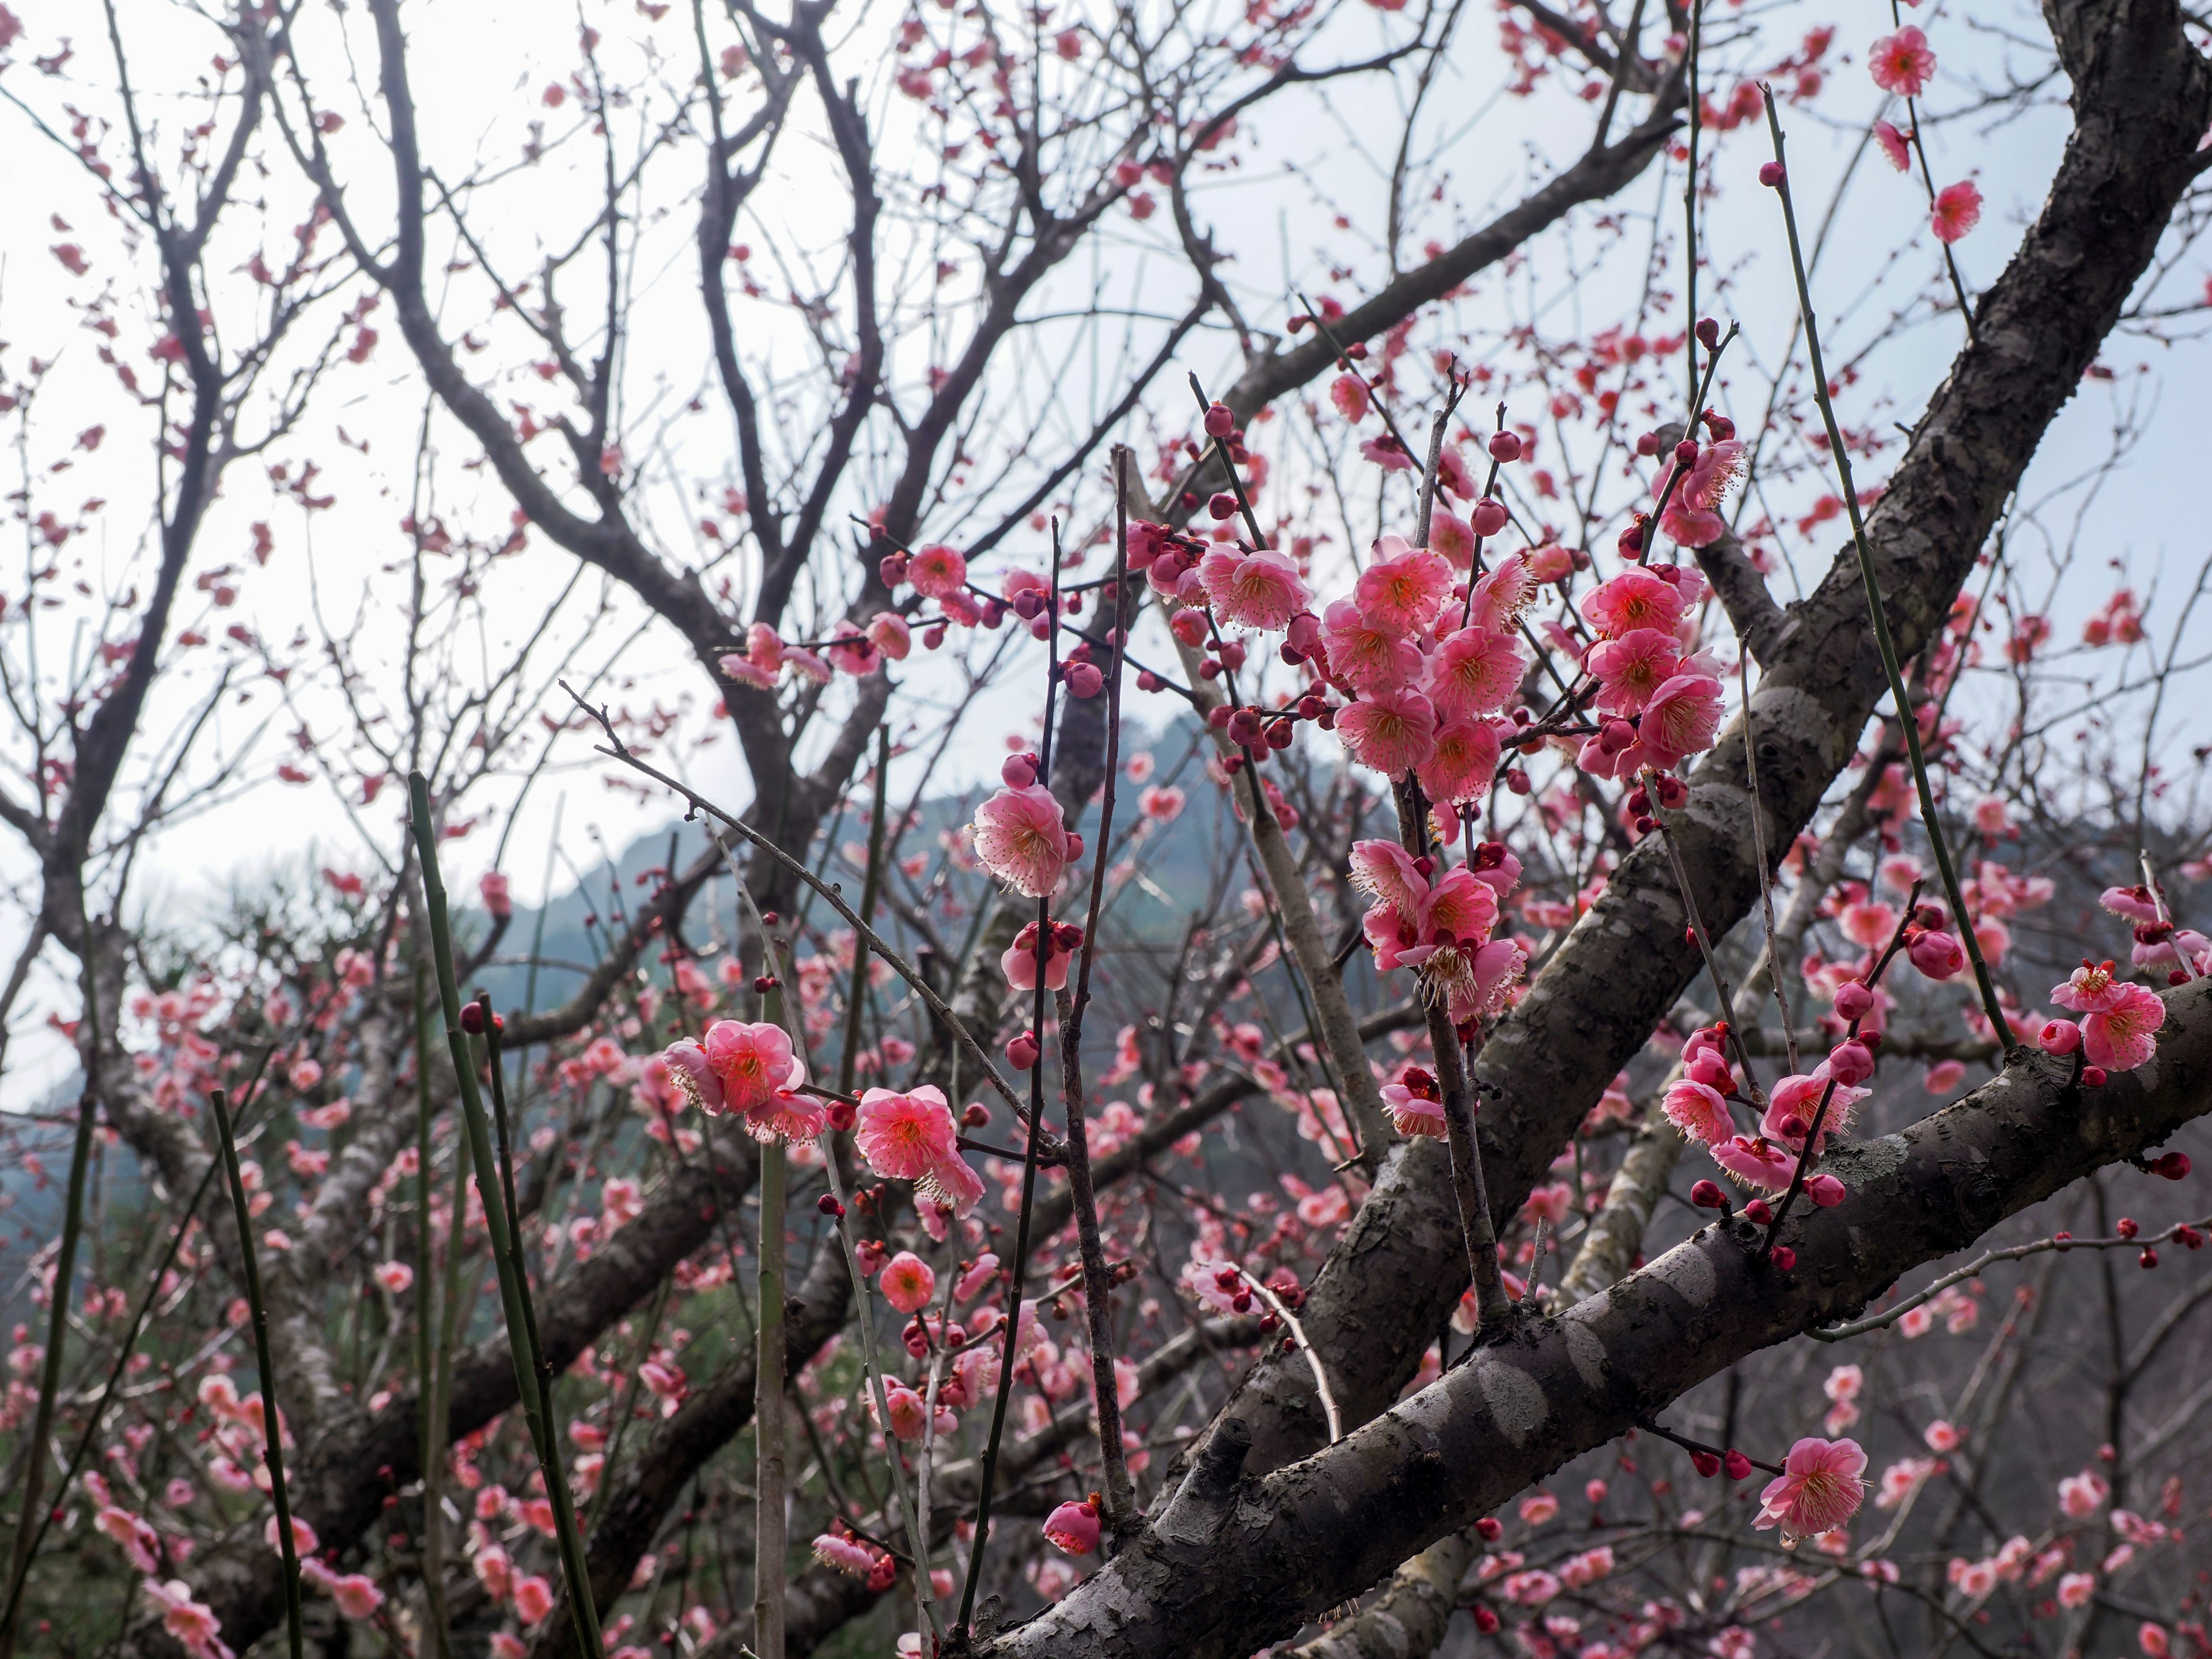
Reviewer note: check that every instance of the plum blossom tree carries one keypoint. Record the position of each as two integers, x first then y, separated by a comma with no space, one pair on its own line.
1349,1133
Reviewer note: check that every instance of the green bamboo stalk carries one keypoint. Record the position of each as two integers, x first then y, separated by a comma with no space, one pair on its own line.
1998,1028
779,1008
769,1543
514,1290
428,1349
272,1422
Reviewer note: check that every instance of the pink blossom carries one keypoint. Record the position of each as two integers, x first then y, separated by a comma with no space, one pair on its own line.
1405,588
1902,62
1162,803
1636,598
844,1555
1253,590
1477,983
356,1594
691,1070
1349,393
1937,954
140,1542
1463,763
1451,535
907,1282
1892,145
908,1411
904,1136
1019,962
1499,598
394,1276
1680,719
2083,1495
191,1623
1699,1111
1819,1489
1414,1105
2075,1588
754,1061
1691,518
1632,669
533,1598
760,663
1958,210
1384,871
1475,672
1539,1506
1459,910
1021,839
1757,1162
2122,1035
1073,1528
936,572
2089,989
1390,731
1363,654
1796,1100
951,1183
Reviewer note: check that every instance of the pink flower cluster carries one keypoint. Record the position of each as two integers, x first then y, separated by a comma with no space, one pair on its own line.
912,1137
1441,929
748,1068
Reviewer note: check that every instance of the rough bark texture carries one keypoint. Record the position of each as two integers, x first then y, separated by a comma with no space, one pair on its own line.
2140,100
1238,1561
1409,1618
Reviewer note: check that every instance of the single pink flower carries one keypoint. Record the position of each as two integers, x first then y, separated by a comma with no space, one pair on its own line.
1699,1111
754,1061
1452,537
1363,655
903,1136
1383,871
1477,983
356,1594
140,1542
1680,719
394,1276
1635,599
533,1598
1405,588
691,1070
1019,962
907,1282
1253,590
2089,989
1631,669
1756,1161
1463,763
760,663
844,1555
951,1184
1414,1105
1958,210
936,572
1797,1099
1459,910
1892,145
1937,954
1162,803
191,1623
1499,598
1819,1489
1022,841
1902,62
1475,672
908,1411
1349,393
1389,731
1073,1528
2124,1034
493,888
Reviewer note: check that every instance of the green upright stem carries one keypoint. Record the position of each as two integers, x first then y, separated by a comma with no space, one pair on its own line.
272,1421
521,1325
769,1542
430,1423
1906,719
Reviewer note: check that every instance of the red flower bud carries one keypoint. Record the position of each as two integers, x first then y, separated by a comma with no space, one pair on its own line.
1505,445
1023,1051
1784,1257
1709,333
1219,423
1737,1465
1771,175
1707,1196
2174,1166
1706,1463
829,1205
